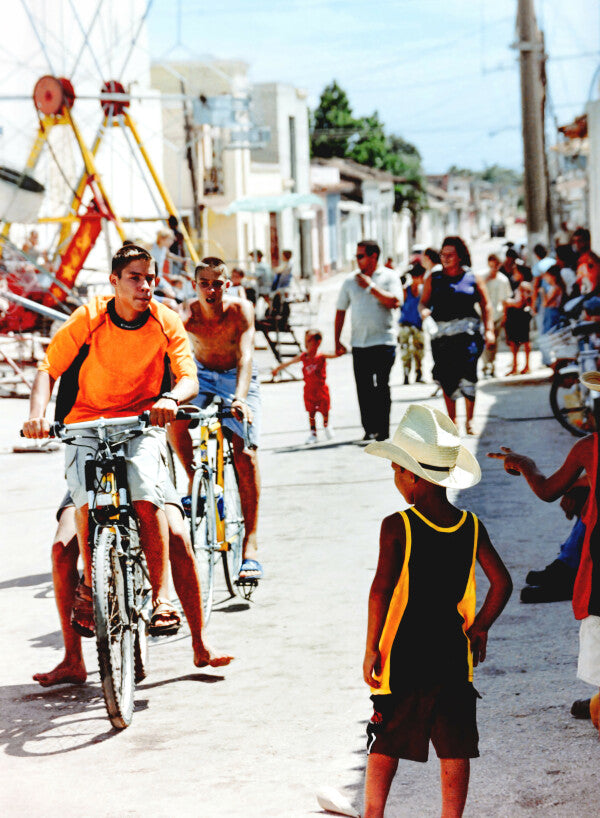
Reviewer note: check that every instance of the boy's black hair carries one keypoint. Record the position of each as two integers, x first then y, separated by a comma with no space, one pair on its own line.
172,222
540,251
416,270
432,255
212,263
510,253
128,253
315,333
370,247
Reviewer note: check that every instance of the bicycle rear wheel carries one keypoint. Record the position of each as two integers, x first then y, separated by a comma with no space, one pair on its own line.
234,520
568,400
114,636
203,526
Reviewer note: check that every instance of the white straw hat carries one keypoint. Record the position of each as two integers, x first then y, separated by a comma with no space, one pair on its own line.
427,443
591,380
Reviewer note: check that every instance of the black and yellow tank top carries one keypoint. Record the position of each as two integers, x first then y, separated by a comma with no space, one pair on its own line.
433,605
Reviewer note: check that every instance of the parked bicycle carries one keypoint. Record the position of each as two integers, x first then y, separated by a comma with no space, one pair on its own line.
216,519
573,350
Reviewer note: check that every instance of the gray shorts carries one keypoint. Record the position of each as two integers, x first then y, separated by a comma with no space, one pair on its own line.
172,498
146,468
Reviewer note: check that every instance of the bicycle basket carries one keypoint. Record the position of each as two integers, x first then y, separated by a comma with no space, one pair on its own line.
558,343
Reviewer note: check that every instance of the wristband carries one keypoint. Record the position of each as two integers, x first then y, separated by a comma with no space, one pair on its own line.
169,396
370,286
239,400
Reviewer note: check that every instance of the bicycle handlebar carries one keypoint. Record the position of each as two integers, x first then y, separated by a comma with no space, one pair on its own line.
62,429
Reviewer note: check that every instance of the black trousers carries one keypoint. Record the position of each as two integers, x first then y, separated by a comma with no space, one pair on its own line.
372,367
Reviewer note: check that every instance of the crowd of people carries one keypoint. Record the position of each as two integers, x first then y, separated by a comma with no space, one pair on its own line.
191,349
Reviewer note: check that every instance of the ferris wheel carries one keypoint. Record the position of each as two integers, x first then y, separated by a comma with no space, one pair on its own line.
88,171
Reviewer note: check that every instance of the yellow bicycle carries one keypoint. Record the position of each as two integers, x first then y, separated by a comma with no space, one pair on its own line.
216,519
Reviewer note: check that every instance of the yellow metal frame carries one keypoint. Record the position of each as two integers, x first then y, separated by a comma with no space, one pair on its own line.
214,431
123,120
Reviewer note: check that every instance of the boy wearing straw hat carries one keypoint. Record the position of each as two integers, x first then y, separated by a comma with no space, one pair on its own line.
423,635
583,457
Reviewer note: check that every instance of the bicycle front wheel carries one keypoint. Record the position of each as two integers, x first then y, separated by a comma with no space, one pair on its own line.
203,525
568,400
114,637
234,520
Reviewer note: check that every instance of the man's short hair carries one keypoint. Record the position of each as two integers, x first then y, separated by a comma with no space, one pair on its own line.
314,333
237,270
212,263
494,257
370,247
258,253
582,233
287,254
129,252
510,253
540,251
172,222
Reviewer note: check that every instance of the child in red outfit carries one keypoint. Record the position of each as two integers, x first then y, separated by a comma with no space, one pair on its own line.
316,391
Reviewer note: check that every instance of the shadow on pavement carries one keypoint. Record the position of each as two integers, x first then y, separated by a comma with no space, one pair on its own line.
188,677
27,582
51,721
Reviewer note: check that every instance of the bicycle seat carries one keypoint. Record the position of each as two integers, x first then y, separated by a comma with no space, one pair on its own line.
586,328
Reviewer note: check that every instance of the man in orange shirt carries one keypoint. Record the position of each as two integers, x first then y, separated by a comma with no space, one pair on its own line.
115,357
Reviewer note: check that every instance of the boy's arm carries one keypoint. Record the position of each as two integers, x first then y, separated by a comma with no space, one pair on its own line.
550,488
37,425
245,348
295,360
496,598
392,540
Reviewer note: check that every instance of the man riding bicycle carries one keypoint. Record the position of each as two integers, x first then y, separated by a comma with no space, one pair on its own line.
116,356
221,330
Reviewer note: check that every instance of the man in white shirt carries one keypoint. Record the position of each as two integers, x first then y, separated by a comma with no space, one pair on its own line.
373,293
498,289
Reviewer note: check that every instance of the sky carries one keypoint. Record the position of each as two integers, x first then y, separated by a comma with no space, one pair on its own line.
440,73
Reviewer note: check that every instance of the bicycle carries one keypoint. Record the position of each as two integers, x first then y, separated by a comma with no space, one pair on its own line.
121,592
572,404
216,518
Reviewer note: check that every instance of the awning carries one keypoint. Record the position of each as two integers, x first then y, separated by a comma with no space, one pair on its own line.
272,204
349,206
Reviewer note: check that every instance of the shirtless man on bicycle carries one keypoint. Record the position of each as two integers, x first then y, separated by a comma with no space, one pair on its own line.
111,356
222,335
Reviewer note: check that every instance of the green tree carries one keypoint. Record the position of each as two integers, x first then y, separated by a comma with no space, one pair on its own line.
333,127
335,131
371,146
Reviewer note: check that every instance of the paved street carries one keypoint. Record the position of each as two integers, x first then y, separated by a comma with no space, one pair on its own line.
256,739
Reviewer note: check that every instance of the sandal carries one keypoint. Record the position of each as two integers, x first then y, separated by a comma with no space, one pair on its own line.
82,614
165,611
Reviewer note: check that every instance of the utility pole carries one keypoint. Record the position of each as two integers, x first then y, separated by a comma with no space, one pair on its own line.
190,142
531,58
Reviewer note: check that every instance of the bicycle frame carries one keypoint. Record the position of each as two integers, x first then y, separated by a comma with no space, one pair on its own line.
211,430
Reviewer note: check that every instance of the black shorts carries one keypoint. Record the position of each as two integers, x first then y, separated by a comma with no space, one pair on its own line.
403,723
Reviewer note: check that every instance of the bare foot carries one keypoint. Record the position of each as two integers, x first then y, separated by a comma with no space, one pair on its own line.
470,429
511,372
525,371
66,673
207,657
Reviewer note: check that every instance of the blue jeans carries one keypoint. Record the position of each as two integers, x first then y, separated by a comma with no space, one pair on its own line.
570,550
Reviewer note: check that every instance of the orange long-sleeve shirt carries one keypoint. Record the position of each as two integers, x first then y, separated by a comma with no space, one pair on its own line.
112,369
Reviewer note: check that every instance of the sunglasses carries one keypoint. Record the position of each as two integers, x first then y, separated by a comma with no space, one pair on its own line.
217,284
360,255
